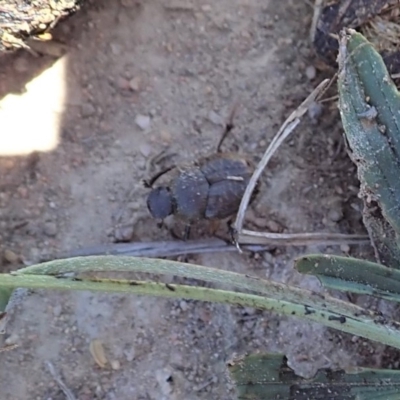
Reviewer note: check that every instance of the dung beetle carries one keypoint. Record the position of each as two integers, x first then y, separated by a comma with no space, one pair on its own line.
210,188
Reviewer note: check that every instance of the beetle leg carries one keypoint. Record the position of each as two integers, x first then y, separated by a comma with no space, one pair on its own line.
160,224
228,126
232,232
187,232
150,182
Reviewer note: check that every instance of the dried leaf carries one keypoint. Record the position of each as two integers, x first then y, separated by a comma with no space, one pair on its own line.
97,351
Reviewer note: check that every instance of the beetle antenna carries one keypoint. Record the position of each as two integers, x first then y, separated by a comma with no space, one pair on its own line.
148,183
187,232
228,126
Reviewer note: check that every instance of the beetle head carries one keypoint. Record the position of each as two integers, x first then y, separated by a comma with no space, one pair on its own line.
160,202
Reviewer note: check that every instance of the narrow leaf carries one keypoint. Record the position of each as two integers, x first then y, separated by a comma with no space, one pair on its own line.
352,275
5,294
369,107
278,291
73,274
268,377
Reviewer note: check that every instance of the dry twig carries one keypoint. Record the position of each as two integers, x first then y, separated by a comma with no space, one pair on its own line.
68,394
286,129
8,348
299,239
317,12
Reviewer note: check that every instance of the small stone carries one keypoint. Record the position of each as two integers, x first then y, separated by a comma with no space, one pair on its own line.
87,110
57,310
315,111
124,233
183,305
12,339
142,121
130,354
23,192
165,136
335,215
311,72
215,118
10,257
134,84
123,83
164,380
50,229
268,258
345,248
115,365
273,226
145,149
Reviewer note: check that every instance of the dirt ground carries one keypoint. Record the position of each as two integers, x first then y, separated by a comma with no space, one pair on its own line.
139,77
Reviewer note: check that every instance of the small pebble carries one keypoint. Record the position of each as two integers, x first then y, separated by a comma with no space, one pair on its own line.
124,233
115,365
145,149
50,229
268,258
163,378
12,339
57,310
215,118
130,354
335,215
87,110
10,257
134,84
123,83
273,226
142,121
345,248
165,136
315,111
311,72
183,305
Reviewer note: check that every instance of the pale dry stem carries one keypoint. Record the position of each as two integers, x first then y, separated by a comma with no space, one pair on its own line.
286,129
244,236
317,12
68,393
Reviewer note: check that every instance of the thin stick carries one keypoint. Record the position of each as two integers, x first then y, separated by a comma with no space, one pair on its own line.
286,129
329,311
68,394
8,347
249,240
301,239
314,22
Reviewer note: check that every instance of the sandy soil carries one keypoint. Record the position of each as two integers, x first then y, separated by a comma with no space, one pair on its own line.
139,77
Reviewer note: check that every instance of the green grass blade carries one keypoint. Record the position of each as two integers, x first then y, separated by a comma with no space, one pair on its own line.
352,275
328,311
268,377
279,291
5,294
369,104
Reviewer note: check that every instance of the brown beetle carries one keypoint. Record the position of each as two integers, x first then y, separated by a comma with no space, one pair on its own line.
210,188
